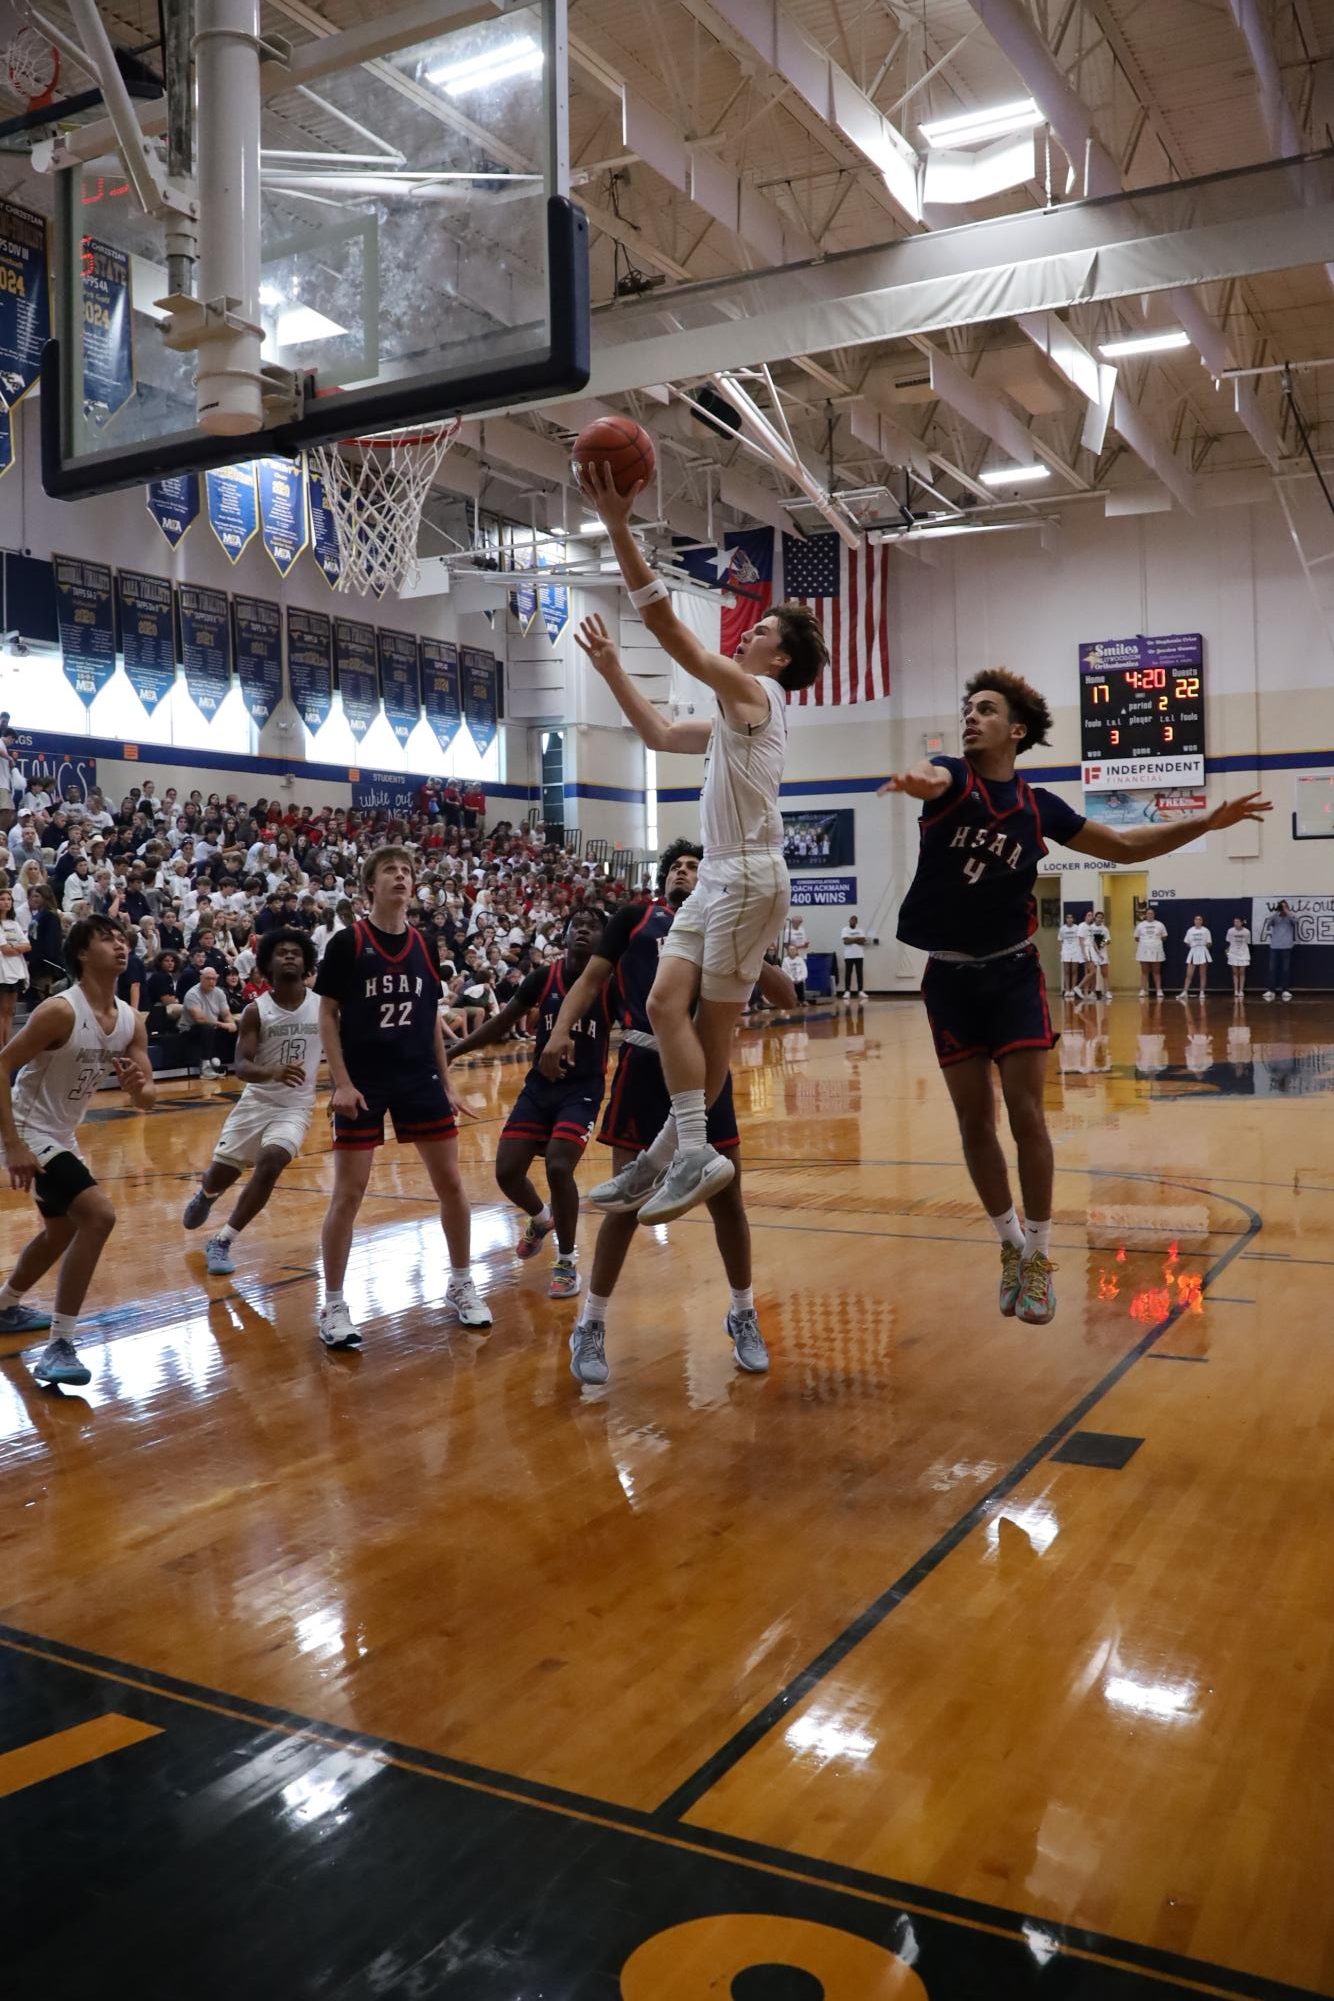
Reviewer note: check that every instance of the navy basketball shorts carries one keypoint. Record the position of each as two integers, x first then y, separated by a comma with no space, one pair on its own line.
417,1104
640,1102
564,1110
990,1009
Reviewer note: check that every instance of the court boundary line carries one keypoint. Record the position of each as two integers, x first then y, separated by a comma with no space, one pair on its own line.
1073,1941
686,1796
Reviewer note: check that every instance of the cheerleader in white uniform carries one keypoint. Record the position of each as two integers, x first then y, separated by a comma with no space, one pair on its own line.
1072,960
1198,955
1239,955
1102,939
1150,933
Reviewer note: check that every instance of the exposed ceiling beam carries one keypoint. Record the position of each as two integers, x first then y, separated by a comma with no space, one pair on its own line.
1284,134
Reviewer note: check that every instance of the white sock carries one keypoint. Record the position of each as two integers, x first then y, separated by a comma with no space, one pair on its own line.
225,1235
1037,1238
661,1152
595,1307
566,1257
542,1220
460,1274
691,1121
9,1297
334,1298
1008,1227
63,1325
743,1299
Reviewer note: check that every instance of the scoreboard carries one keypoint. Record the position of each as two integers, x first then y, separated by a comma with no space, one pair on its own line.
1141,707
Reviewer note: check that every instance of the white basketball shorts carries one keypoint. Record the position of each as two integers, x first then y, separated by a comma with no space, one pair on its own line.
252,1127
729,921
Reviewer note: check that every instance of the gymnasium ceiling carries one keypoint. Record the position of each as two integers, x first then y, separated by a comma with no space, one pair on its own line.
1166,91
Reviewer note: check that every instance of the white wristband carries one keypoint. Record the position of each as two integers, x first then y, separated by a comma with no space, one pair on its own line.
650,594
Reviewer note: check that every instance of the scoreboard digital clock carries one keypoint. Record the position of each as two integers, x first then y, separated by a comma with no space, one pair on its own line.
1141,707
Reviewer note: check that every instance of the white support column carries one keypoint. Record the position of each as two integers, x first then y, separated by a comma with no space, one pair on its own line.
228,384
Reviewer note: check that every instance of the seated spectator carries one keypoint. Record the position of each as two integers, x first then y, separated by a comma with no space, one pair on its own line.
205,1013
46,937
158,994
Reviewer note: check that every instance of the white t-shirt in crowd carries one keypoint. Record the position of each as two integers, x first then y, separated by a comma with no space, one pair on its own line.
1238,945
1150,933
854,942
1198,940
1072,952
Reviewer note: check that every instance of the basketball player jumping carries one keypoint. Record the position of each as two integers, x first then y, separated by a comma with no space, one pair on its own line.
629,951
716,946
380,1026
971,908
278,1060
554,1113
58,1058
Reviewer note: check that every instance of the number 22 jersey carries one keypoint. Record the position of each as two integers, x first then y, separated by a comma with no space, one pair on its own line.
388,992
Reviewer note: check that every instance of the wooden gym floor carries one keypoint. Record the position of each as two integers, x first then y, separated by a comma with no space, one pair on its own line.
954,1659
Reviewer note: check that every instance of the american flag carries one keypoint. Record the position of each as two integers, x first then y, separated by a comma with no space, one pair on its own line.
848,590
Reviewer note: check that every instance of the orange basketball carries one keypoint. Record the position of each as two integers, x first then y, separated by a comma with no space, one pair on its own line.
621,445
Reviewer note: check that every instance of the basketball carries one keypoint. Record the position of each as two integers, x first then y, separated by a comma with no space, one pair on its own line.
618,443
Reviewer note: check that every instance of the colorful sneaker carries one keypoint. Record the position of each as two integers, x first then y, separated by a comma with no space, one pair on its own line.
337,1327
532,1238
626,1190
691,1178
59,1363
1037,1295
197,1209
1011,1259
463,1300
743,1329
564,1279
218,1251
22,1319
588,1352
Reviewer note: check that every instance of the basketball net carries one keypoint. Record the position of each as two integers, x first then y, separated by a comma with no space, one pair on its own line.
375,490
32,65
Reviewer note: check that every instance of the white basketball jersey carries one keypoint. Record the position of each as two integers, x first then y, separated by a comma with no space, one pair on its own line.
287,1035
51,1093
743,772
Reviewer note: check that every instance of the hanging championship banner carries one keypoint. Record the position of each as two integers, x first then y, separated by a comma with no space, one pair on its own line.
354,660
147,642
310,665
438,661
206,646
174,505
323,534
108,330
282,510
523,601
479,694
554,604
233,508
259,655
87,620
25,300
398,682
6,442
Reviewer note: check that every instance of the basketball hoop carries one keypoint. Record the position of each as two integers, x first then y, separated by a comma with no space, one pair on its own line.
33,67
375,489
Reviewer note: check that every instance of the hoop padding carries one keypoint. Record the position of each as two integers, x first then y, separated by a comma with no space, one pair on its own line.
375,490
32,64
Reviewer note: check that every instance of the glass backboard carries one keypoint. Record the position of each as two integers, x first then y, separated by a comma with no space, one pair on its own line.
420,255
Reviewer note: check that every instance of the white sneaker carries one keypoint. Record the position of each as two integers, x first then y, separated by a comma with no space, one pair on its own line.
1269,993
1286,995
691,1178
588,1352
628,1189
1144,993
337,1327
463,1300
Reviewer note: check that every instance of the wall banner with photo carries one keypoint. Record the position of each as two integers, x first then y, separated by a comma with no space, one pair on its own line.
1146,809
820,838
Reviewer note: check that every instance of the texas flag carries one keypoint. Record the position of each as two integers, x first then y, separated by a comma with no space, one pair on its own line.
749,581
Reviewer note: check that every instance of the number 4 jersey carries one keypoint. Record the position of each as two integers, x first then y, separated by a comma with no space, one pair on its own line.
388,993
978,863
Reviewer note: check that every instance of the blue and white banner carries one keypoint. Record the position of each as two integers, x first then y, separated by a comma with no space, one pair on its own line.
554,604
259,655
108,330
812,889
398,681
523,600
310,665
233,508
386,792
174,505
441,698
284,517
6,442
51,765
479,695
147,640
354,661
25,300
323,534
87,618
206,646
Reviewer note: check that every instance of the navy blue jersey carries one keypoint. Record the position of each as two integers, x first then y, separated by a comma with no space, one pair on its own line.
632,942
978,863
388,992
545,989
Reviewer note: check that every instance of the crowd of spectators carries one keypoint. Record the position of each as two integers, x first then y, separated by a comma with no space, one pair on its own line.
197,879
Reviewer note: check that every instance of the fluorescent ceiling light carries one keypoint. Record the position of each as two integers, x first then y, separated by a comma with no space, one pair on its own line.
969,126
270,295
927,532
1014,475
492,66
303,323
1152,343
